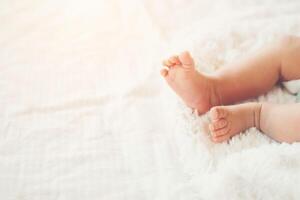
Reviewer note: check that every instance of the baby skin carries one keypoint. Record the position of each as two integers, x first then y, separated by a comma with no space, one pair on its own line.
245,78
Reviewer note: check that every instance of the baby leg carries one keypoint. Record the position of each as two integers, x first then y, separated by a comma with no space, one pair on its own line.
280,122
245,78
259,72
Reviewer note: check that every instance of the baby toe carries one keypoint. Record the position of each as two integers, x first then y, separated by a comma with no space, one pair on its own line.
164,72
216,125
220,131
186,59
167,63
175,60
221,138
217,112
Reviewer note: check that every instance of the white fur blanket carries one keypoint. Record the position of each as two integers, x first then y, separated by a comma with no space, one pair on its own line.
85,115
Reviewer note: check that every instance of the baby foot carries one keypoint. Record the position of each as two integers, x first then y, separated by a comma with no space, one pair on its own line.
196,90
228,121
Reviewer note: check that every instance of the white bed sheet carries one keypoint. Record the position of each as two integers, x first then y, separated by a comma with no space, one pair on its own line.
85,115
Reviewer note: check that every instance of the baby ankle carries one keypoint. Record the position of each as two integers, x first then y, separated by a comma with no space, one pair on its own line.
216,99
256,115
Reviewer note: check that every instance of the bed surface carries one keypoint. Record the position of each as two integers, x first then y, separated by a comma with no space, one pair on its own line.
84,113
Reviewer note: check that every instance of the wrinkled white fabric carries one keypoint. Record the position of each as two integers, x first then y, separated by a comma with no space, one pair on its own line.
84,113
